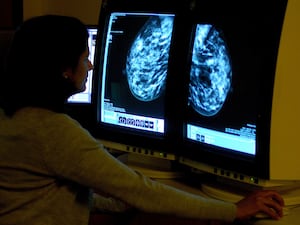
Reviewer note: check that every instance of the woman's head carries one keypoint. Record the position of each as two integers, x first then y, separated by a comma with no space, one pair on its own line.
43,58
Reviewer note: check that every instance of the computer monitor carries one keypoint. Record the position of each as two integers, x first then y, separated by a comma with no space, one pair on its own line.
135,77
134,80
86,96
240,119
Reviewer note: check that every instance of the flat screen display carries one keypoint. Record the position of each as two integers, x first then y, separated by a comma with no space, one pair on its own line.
135,69
216,107
230,75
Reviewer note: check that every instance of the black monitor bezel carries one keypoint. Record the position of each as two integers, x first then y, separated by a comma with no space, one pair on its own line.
217,157
168,141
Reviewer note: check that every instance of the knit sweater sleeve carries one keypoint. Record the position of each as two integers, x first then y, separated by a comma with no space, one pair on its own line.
73,154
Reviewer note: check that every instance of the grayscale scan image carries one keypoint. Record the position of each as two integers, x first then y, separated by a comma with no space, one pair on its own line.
211,73
147,59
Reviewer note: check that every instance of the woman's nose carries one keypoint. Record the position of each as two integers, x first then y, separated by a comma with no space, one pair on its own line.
91,66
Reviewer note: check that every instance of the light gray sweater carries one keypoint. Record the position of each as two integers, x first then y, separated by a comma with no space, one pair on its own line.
48,164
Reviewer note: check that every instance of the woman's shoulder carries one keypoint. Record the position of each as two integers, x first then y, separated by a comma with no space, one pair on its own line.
42,115
41,118
2,114
53,125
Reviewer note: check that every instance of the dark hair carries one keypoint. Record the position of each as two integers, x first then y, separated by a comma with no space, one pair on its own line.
42,48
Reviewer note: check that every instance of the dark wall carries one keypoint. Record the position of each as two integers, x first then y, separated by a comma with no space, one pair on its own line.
11,13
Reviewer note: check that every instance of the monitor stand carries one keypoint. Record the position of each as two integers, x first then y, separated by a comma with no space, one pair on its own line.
157,168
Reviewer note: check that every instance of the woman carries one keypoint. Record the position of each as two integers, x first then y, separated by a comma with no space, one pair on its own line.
49,163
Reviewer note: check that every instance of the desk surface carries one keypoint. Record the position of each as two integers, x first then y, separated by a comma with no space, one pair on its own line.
292,217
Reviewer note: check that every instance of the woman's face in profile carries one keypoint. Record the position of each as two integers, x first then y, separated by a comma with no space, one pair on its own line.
78,77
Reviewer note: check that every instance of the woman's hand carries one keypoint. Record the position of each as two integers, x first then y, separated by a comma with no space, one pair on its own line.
265,201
